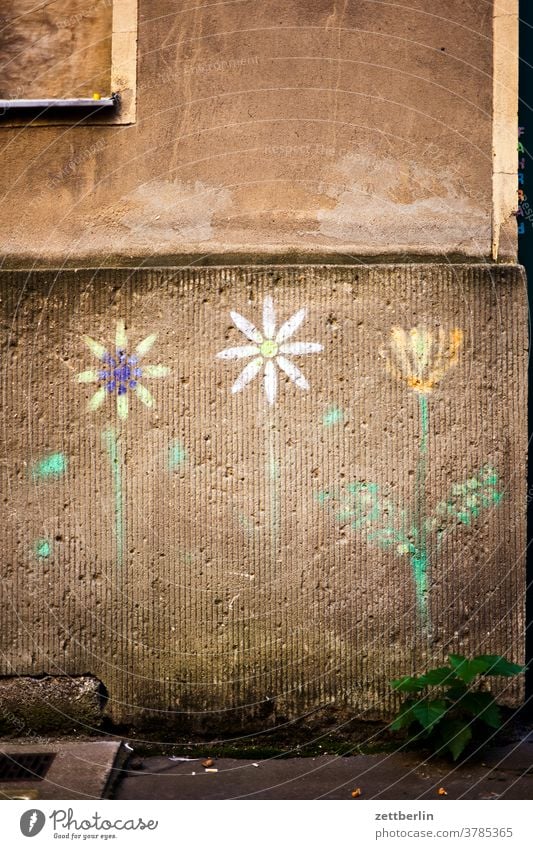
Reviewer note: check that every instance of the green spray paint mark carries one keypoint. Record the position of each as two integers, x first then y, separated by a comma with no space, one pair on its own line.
247,524
273,477
42,548
177,455
410,533
52,466
420,559
111,444
273,468
424,422
187,557
468,499
332,416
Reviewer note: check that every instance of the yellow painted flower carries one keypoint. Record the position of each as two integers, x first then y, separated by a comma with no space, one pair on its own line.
120,371
421,359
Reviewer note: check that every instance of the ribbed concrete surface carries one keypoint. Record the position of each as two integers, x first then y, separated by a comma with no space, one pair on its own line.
247,562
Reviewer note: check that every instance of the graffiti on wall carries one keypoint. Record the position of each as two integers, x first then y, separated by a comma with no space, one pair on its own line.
120,373
49,468
420,360
267,350
417,358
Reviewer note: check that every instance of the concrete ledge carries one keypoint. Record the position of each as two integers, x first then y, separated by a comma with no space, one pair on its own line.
54,703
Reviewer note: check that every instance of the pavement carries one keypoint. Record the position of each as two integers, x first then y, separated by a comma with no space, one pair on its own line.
78,769
85,769
503,773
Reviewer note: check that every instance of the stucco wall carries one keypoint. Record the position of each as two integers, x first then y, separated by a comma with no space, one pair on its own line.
287,128
206,551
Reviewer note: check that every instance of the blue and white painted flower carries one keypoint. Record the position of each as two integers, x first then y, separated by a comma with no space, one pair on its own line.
269,350
121,371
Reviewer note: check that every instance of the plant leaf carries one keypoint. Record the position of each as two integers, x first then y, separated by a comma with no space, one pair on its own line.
442,676
498,665
482,706
467,670
407,684
430,711
455,734
405,716
457,692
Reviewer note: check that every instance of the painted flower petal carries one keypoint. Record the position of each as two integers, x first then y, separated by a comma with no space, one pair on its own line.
122,406
238,353
301,348
456,340
421,343
247,374
95,347
399,345
144,395
293,372
250,331
97,399
271,381
144,346
269,318
90,376
155,371
121,339
291,325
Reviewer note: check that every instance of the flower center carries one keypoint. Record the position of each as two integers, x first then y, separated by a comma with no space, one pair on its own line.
268,348
120,372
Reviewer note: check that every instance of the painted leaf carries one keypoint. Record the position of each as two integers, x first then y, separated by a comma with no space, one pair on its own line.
430,712
360,504
363,500
386,537
455,735
468,499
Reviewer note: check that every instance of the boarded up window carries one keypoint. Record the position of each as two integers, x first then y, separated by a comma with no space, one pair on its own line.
55,49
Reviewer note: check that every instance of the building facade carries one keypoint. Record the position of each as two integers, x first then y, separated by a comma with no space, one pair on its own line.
265,352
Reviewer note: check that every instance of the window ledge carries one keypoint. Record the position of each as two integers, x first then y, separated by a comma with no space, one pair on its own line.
60,103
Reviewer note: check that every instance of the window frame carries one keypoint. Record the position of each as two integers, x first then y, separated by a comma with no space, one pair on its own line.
118,106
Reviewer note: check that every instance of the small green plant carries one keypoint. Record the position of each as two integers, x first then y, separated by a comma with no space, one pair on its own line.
448,707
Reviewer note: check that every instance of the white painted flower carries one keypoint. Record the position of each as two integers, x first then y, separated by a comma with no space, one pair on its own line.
269,349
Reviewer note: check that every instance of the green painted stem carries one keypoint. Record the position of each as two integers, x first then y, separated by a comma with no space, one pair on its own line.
273,479
111,442
420,561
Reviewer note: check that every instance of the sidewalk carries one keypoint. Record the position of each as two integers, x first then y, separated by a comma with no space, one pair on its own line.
504,773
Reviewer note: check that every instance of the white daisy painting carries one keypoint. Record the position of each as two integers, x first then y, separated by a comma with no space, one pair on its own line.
269,350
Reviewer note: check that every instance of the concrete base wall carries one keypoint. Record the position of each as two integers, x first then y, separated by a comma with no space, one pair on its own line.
216,557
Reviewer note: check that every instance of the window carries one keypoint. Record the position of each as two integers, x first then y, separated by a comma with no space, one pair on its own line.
65,54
